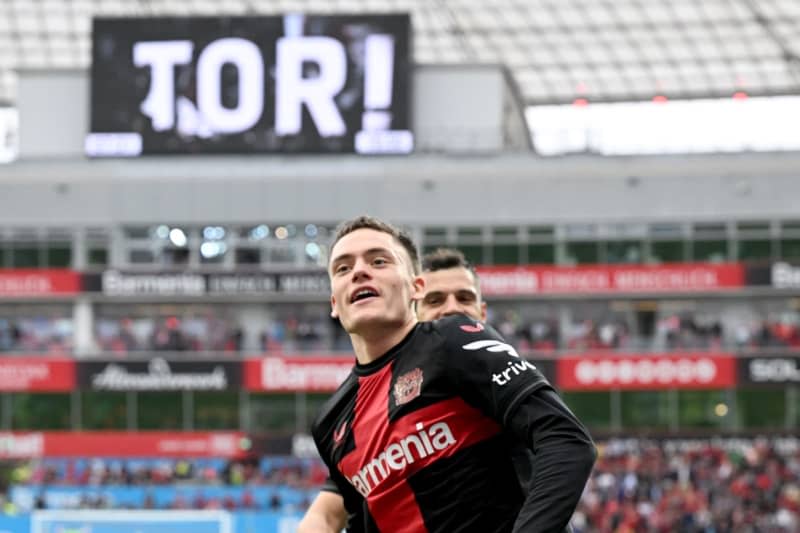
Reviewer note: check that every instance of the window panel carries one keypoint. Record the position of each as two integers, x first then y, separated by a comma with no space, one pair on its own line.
624,252
710,250
159,410
97,257
272,412
25,256
216,410
790,249
544,254
583,252
473,253
141,257
41,411
761,408
104,410
248,256
703,409
667,251
505,254
650,409
591,408
755,249
59,256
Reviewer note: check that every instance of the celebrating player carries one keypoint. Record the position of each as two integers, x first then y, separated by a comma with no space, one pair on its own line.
415,438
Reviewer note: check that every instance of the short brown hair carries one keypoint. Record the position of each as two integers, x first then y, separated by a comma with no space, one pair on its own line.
368,222
445,258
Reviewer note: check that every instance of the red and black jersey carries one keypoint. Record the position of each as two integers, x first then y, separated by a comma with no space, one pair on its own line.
415,440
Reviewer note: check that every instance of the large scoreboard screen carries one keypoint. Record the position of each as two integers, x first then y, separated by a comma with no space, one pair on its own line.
283,84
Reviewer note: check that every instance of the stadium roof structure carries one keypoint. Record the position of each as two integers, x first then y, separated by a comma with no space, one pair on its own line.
557,50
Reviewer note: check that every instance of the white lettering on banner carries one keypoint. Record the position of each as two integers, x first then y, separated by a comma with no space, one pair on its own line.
25,284
588,280
219,445
646,371
515,282
118,284
785,276
20,375
778,370
159,376
692,279
161,57
241,284
280,374
292,90
398,455
291,283
21,445
246,57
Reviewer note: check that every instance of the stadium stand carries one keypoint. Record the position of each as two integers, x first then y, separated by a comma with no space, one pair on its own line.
175,305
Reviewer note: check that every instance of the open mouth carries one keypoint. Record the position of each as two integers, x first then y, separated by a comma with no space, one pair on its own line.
363,294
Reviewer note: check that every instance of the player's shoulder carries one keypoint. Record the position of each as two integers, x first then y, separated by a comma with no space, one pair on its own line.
456,328
331,410
456,323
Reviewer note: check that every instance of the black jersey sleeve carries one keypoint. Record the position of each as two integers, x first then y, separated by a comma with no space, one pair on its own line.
563,456
488,373
485,369
330,486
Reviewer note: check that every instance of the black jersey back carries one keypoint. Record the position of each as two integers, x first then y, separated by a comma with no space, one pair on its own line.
414,440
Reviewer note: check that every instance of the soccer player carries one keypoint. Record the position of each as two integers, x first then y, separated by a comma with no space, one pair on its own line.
415,438
451,287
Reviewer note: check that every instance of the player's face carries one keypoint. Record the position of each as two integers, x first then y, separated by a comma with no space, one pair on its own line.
448,292
372,283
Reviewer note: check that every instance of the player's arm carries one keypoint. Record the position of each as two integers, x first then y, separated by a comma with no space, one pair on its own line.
564,456
489,374
325,515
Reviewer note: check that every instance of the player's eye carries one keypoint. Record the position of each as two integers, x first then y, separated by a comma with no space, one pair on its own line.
380,261
340,268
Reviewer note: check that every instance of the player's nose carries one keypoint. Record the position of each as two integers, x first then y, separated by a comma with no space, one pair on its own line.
451,306
360,270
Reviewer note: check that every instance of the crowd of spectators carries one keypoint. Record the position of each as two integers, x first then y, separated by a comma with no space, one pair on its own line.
647,487
293,333
314,331
637,486
36,334
97,472
187,484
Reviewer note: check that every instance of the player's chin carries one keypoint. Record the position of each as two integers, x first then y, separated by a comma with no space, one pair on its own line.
365,320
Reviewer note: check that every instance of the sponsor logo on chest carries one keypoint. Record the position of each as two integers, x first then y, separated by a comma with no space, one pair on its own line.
426,444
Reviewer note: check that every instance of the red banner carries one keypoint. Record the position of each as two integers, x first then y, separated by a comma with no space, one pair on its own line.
122,444
596,372
39,374
676,277
26,283
297,374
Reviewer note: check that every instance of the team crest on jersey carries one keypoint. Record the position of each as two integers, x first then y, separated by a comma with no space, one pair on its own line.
408,386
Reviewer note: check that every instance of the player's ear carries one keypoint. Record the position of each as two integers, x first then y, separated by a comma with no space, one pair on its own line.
417,288
483,311
334,313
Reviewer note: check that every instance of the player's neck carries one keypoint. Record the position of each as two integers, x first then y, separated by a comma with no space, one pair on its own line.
379,340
